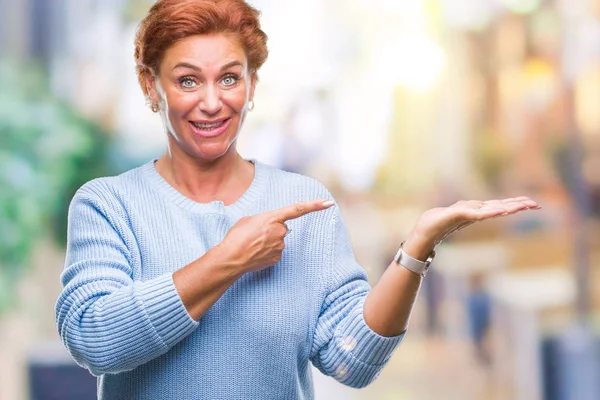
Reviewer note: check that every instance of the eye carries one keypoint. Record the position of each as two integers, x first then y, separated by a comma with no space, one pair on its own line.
187,82
230,80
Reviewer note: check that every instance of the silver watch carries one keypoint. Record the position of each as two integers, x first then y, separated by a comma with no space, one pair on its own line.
412,264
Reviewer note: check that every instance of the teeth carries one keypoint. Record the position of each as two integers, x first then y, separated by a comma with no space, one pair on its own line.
208,126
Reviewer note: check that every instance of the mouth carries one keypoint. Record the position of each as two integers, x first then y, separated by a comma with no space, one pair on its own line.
209,129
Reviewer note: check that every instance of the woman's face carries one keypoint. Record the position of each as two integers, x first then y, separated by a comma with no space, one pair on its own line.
203,91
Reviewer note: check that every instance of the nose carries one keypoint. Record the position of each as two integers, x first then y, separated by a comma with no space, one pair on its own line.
211,103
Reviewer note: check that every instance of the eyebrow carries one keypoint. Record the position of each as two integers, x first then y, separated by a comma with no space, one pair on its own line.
196,68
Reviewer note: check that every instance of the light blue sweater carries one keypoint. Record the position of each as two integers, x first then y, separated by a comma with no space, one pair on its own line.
120,315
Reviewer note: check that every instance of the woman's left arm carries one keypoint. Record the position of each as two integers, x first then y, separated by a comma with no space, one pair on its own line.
388,306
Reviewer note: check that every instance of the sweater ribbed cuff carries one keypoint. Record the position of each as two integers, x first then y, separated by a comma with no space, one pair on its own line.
366,345
163,305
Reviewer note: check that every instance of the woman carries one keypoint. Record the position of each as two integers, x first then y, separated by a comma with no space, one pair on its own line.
202,275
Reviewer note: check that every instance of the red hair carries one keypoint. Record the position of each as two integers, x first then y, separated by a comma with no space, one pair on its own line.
169,21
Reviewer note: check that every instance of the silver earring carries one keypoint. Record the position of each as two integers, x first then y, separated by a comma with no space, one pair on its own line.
251,105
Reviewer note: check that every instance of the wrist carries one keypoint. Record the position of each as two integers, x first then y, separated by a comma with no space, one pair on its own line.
418,246
224,258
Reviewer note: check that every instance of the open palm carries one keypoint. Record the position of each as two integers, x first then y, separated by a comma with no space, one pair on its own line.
438,223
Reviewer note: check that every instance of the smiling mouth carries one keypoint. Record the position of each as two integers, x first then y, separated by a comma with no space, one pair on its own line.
208,126
210,129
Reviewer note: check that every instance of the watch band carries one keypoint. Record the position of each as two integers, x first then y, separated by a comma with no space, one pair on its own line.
412,264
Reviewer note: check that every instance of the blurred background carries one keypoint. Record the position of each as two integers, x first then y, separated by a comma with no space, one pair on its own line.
397,106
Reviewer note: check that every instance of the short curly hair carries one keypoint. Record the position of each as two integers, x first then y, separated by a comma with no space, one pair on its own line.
169,21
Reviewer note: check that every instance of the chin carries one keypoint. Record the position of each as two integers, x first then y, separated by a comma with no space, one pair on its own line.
212,152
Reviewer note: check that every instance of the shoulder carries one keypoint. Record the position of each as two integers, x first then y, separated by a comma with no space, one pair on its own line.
287,188
110,190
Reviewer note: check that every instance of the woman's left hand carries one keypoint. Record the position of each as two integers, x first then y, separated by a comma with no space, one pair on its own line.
438,223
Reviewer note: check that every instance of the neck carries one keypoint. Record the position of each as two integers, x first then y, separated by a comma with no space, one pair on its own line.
224,179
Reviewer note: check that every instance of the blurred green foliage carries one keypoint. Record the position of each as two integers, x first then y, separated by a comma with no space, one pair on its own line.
47,152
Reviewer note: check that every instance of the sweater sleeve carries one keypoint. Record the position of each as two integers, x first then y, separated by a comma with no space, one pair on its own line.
344,346
108,321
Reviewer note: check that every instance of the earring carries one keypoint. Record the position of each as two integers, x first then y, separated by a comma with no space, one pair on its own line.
251,105
154,107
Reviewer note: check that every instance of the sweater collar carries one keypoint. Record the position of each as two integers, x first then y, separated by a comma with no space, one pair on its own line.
236,210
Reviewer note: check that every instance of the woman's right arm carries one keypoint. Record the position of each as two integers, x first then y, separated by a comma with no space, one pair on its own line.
252,244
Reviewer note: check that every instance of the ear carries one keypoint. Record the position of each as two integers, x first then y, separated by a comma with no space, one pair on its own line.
151,88
253,82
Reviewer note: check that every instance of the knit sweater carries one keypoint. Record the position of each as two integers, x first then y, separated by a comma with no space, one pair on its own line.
120,315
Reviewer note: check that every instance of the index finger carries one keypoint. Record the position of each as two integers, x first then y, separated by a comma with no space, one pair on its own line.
302,208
